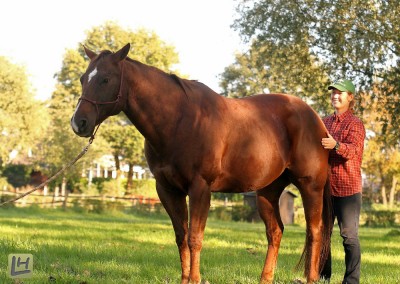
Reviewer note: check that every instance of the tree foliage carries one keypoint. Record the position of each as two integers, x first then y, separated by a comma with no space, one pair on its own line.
381,163
381,160
265,68
326,40
22,117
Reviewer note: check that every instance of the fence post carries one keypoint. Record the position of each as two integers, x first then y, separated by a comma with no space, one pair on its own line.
65,200
63,186
55,196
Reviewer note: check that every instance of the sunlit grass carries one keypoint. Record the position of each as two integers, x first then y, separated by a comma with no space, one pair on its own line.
71,247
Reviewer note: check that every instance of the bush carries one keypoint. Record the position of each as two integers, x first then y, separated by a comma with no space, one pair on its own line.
83,187
5,198
382,218
98,182
243,213
233,197
299,217
17,175
4,185
221,213
144,187
147,210
393,233
97,206
113,187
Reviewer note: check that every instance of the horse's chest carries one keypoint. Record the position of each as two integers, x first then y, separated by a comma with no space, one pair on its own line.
170,177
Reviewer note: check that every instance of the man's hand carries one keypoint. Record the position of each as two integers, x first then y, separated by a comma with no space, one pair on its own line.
329,142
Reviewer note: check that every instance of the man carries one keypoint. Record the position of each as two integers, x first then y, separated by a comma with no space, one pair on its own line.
345,140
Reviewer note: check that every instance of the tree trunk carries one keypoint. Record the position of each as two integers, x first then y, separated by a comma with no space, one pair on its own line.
384,197
392,192
129,184
117,165
65,200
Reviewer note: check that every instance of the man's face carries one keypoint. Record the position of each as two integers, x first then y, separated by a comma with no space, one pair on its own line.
341,100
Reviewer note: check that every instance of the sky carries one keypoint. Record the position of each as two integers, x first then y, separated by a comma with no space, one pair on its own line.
36,34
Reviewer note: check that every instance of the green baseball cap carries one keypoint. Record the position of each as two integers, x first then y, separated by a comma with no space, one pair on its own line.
343,85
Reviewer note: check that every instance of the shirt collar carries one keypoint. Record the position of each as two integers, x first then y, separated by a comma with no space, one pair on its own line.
342,116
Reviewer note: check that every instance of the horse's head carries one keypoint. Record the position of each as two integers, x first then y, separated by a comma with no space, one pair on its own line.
101,90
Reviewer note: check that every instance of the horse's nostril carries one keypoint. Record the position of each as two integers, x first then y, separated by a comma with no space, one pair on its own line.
82,124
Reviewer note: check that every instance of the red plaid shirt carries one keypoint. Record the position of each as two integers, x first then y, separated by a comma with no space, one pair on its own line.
345,163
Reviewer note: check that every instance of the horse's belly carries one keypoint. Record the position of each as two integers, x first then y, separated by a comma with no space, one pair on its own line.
245,177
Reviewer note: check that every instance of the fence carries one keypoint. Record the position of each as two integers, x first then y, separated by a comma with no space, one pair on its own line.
235,211
68,200
102,203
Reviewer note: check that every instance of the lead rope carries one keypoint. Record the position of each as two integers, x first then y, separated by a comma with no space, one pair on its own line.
70,164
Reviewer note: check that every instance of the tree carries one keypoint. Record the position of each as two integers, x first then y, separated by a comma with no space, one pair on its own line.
382,164
381,161
146,47
269,67
126,142
22,118
356,39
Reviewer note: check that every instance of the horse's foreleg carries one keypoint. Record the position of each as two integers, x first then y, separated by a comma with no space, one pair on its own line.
199,204
176,207
268,208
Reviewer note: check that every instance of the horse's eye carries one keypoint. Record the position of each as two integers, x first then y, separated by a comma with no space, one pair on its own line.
105,80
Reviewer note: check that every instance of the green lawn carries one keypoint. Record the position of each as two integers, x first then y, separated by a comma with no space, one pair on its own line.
70,247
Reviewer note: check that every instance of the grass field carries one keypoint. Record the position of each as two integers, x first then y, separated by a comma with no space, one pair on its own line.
70,247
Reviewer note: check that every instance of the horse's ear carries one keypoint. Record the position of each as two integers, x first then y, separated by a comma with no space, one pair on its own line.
89,53
122,53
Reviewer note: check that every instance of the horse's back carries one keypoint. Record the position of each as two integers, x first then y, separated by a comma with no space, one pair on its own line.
270,133
280,110
303,128
302,125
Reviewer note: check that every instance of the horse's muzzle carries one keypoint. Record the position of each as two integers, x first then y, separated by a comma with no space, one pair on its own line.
80,127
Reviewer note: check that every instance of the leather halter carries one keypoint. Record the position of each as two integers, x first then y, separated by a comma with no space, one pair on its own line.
97,103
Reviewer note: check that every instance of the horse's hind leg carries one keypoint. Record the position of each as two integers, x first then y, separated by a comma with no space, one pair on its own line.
312,190
176,207
268,207
199,205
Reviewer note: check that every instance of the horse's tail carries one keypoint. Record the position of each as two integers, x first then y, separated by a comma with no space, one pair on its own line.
327,223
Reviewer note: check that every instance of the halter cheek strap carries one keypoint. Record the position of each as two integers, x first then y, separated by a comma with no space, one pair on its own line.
97,103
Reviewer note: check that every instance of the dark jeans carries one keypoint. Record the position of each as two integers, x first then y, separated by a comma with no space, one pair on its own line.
347,211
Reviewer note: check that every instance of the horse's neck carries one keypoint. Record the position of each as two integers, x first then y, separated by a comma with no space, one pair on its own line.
154,103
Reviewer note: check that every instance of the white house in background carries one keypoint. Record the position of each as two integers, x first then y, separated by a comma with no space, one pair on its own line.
105,167
16,157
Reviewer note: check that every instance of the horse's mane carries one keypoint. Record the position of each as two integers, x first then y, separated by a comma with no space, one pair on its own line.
186,85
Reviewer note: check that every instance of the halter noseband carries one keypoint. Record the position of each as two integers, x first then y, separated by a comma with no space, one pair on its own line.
97,103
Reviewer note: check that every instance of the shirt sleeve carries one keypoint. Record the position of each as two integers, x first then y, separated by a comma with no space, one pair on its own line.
353,142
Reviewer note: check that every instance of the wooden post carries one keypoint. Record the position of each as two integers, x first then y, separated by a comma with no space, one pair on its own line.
65,200
63,186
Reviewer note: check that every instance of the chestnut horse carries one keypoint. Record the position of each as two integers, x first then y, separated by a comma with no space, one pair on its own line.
198,142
